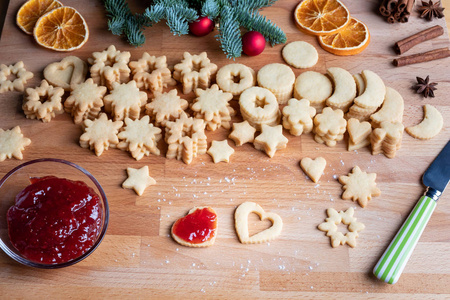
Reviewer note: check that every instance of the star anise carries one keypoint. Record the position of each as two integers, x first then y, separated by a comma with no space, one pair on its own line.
425,87
431,10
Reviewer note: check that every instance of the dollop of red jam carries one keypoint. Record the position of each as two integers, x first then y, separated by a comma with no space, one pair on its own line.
54,220
197,227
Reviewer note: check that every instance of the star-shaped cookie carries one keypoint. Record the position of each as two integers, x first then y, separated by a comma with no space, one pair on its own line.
220,151
242,133
271,139
12,143
138,180
100,133
165,107
359,186
125,101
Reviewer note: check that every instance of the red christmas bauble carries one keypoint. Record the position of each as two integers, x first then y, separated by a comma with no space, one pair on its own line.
201,27
253,43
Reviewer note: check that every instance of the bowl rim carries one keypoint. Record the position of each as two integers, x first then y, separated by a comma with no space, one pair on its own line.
101,235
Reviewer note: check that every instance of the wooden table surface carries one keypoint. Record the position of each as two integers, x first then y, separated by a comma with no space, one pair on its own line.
138,258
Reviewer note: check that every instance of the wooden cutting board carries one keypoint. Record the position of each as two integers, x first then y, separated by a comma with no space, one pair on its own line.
138,258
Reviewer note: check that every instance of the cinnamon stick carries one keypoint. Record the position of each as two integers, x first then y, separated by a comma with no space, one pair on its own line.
383,9
401,5
404,17
422,57
392,5
409,6
420,37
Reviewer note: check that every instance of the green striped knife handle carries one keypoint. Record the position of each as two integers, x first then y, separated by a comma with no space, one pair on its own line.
391,264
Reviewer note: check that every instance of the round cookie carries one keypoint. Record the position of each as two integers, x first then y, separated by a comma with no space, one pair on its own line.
300,55
279,79
235,78
315,87
259,106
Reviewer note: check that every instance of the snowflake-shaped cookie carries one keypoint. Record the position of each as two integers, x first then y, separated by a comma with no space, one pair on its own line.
85,101
194,71
43,102
110,66
166,107
151,73
298,116
100,134
185,138
12,143
17,70
359,186
139,137
212,105
334,219
125,101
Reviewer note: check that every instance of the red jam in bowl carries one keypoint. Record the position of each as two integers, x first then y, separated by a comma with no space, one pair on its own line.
54,220
197,227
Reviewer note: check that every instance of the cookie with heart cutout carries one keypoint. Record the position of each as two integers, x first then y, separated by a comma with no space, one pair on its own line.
241,224
66,73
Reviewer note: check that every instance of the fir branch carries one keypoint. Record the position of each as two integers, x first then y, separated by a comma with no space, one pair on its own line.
155,13
122,21
252,4
229,33
211,9
257,22
177,14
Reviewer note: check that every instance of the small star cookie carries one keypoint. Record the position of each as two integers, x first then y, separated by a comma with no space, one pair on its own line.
271,139
242,133
359,186
12,143
43,102
334,219
165,107
85,101
100,133
17,70
220,151
138,180
139,137
125,101
213,106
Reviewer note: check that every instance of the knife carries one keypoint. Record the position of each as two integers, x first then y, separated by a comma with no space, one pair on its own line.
393,261
3,10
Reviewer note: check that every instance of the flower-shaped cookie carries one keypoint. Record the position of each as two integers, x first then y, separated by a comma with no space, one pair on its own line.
186,138
212,105
334,219
165,107
43,102
110,66
125,101
359,186
100,134
330,126
151,73
139,137
194,71
85,101
12,143
17,70
298,116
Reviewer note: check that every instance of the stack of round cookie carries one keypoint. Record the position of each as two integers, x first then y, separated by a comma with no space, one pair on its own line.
259,106
279,79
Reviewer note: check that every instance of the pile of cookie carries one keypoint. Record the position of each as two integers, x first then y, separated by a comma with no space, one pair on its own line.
113,106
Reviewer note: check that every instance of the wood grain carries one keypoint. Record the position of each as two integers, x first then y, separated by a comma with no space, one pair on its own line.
138,259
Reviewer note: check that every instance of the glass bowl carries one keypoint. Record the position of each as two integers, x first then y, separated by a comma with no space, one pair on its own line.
19,178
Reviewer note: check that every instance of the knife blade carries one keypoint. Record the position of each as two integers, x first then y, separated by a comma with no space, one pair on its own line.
394,259
3,9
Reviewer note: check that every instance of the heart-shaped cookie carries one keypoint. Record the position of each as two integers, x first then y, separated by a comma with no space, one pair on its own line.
313,167
358,131
69,71
241,224
197,229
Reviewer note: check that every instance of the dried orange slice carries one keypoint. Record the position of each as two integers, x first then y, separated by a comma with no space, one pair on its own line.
32,10
62,29
321,17
353,39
